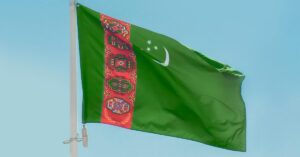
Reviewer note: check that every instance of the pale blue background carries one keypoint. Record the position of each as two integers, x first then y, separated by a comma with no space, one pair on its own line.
258,37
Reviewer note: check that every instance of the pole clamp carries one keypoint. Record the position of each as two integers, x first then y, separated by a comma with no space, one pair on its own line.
72,139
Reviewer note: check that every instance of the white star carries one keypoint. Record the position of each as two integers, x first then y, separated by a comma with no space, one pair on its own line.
149,42
155,47
148,48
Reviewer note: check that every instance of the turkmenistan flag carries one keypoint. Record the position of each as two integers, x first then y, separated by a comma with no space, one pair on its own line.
141,80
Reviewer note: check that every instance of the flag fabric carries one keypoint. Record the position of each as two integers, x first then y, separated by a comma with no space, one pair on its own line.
141,80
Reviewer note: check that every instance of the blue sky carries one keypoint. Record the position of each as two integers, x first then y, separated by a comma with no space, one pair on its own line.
259,38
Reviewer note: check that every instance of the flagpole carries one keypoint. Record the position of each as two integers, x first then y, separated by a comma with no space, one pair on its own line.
73,81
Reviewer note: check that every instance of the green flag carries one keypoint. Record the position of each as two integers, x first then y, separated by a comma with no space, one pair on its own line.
141,80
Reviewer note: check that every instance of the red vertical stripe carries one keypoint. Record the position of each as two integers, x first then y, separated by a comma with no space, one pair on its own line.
120,73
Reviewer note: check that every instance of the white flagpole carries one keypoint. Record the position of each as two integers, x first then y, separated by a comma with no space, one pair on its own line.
73,82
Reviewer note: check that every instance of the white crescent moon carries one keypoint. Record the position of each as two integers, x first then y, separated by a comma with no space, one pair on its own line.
167,60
